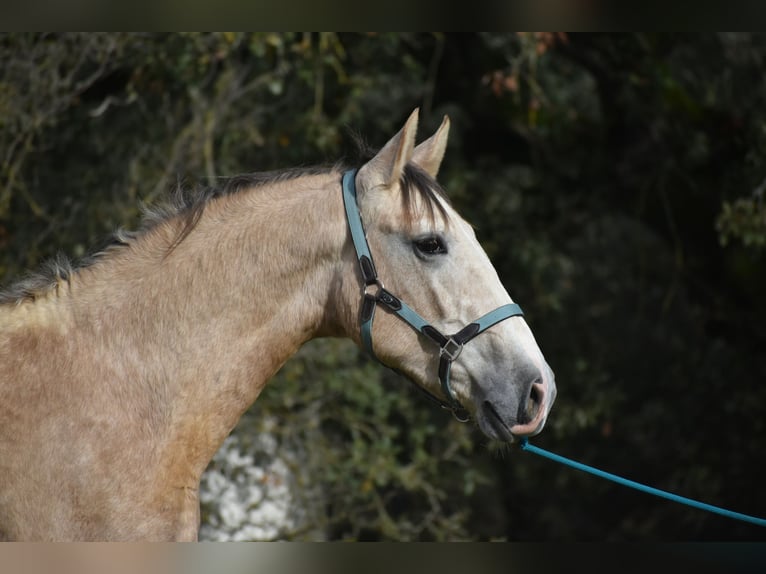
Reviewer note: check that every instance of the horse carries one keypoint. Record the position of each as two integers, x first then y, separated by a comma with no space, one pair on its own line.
121,376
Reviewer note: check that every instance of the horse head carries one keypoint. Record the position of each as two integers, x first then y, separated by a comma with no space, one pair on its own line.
448,323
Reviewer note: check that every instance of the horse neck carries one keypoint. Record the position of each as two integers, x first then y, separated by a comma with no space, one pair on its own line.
204,326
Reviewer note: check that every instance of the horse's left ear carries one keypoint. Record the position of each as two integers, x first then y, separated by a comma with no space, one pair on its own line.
387,166
428,155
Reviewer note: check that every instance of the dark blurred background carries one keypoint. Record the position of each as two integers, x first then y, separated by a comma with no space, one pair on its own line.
616,181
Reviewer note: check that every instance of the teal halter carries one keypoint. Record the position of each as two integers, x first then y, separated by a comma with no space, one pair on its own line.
374,294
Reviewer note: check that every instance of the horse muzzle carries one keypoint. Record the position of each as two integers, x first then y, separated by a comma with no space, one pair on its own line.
510,415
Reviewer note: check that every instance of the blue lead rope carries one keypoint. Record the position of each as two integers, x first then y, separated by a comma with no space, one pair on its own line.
525,445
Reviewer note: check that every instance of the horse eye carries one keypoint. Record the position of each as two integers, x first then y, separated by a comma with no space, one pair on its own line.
430,245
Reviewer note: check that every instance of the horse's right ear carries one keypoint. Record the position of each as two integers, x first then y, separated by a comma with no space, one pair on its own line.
385,169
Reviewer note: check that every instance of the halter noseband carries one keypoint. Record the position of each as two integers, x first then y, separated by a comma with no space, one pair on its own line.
374,294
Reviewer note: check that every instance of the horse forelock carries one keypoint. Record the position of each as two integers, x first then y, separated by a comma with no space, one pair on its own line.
414,183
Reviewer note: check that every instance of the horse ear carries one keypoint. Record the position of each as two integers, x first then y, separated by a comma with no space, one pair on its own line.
428,155
387,166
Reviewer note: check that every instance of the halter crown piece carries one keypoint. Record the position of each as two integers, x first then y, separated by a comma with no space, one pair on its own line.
374,294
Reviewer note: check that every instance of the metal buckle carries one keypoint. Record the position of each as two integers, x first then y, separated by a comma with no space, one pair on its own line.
451,352
379,287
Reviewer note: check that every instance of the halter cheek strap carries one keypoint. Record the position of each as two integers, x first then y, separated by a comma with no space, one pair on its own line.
374,293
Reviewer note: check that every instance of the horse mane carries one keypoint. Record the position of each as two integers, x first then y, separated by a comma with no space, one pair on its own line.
188,202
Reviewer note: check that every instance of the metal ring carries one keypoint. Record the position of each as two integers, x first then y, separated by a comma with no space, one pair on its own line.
378,283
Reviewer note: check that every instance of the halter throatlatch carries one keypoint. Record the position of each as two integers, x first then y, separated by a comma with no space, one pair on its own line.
374,293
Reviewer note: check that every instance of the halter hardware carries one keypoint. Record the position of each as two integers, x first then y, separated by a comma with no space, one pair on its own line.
447,349
374,293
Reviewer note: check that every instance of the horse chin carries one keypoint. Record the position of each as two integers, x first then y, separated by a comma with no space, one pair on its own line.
492,424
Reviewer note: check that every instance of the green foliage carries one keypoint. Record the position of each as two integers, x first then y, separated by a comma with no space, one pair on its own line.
745,219
373,451
610,178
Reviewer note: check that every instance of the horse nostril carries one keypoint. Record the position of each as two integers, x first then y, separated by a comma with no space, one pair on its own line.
532,410
531,407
